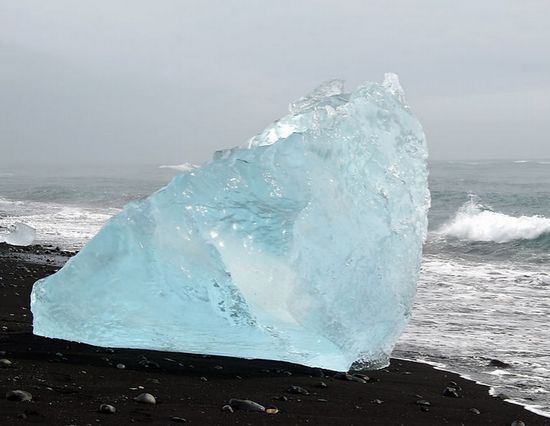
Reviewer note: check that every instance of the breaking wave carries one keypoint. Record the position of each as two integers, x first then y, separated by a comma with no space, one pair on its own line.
475,222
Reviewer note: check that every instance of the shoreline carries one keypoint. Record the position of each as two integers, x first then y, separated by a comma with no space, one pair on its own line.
491,390
70,380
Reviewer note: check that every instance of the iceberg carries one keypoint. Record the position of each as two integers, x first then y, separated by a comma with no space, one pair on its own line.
302,245
19,234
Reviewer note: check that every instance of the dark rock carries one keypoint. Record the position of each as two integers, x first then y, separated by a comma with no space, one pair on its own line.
297,390
317,372
498,363
107,409
18,395
350,378
245,405
451,392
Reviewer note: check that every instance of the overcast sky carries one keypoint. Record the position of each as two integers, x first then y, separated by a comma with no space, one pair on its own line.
168,82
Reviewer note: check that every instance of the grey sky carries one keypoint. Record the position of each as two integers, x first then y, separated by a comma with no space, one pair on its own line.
171,81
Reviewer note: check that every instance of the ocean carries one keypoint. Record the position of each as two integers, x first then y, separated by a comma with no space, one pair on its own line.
484,290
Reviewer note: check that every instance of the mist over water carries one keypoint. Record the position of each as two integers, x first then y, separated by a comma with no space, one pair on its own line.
484,291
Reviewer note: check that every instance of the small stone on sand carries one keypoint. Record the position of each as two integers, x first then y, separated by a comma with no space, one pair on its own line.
106,408
245,405
18,395
145,398
297,390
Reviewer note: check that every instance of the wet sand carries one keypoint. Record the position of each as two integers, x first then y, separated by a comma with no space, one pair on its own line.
69,381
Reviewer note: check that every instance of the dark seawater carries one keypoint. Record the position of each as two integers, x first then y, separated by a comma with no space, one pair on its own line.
484,291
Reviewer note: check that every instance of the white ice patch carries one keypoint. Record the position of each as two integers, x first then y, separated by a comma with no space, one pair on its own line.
18,234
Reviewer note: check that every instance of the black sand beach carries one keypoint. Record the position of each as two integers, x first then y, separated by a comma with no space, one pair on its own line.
69,381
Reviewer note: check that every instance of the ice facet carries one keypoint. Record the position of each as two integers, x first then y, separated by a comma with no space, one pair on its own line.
18,234
302,245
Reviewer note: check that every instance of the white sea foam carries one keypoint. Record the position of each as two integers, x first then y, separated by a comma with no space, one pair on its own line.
69,227
474,222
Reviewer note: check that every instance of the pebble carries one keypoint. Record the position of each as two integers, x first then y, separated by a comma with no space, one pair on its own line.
18,395
245,405
451,392
423,403
349,378
377,401
321,385
106,408
227,408
271,410
297,390
517,423
475,411
145,398
120,366
5,362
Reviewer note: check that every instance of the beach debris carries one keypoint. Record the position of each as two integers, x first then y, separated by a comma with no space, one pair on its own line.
271,410
5,362
145,398
18,395
297,390
107,409
245,405
203,379
475,411
451,392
